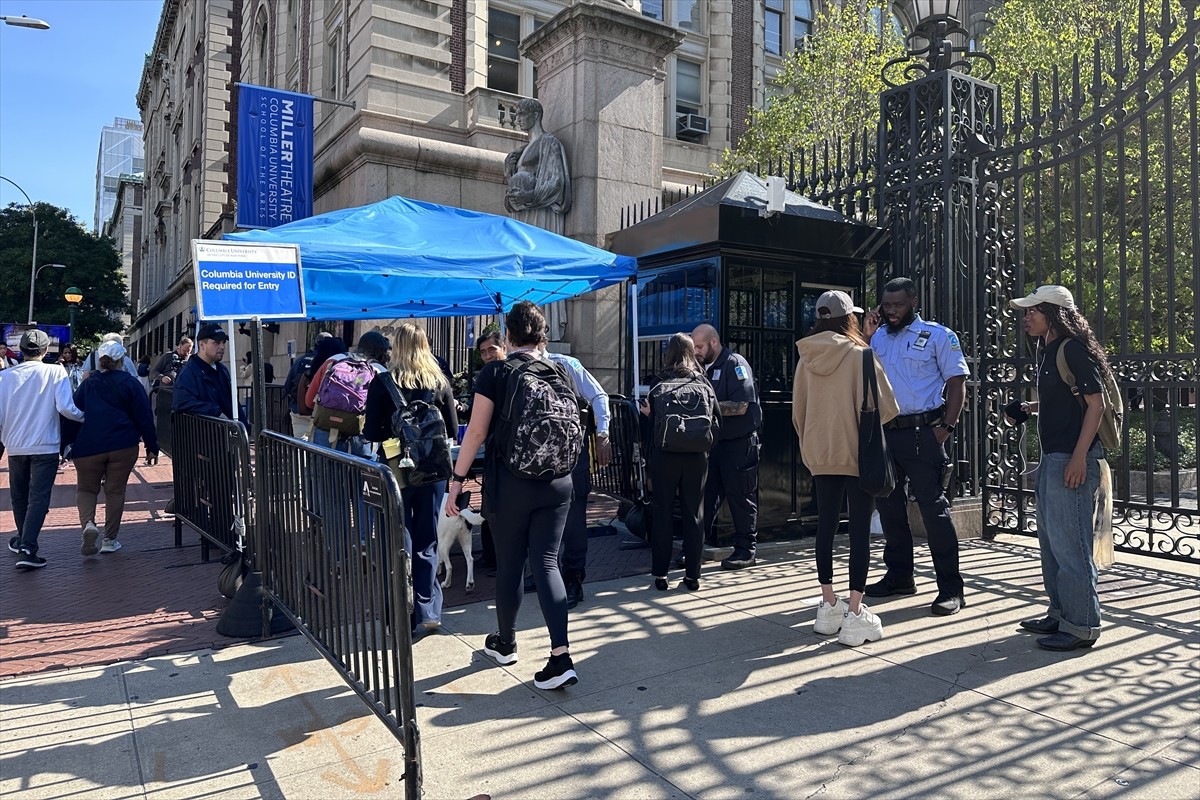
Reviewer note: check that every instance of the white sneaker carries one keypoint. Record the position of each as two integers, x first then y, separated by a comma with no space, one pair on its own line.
110,546
859,628
90,534
829,617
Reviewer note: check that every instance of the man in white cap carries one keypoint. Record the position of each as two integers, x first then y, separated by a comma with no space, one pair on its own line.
32,396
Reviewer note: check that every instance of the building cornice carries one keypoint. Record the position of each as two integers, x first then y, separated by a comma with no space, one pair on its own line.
153,66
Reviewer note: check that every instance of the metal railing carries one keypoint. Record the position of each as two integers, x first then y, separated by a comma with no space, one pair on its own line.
621,478
278,413
331,551
212,481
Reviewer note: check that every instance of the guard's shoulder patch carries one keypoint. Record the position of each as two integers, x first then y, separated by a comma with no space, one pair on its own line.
740,372
953,339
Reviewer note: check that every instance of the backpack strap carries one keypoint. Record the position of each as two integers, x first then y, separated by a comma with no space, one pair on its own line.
394,391
530,363
1064,372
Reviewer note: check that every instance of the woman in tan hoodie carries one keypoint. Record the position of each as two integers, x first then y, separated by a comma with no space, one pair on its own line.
826,397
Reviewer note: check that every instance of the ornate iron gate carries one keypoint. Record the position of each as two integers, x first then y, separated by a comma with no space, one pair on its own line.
1092,181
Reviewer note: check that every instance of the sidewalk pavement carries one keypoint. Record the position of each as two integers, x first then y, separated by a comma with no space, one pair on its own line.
722,693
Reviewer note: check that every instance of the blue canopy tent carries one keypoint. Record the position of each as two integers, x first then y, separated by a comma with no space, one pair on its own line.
406,258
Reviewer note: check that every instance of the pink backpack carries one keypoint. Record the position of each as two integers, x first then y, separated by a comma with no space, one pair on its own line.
344,387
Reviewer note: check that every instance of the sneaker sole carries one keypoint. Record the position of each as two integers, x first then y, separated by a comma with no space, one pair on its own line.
89,543
500,658
568,678
14,550
826,630
25,565
861,640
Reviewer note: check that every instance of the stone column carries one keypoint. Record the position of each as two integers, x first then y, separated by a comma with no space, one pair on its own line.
600,82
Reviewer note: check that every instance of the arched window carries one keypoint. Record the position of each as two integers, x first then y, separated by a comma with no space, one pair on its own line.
262,48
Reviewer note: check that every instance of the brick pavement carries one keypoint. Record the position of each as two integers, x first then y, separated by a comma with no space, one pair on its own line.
152,598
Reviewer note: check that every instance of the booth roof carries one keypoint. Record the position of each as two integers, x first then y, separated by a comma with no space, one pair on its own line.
407,258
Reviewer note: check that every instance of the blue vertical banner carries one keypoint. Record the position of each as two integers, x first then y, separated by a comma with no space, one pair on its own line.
275,157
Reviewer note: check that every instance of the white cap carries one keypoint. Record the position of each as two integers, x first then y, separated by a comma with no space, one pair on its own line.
1052,294
114,350
835,304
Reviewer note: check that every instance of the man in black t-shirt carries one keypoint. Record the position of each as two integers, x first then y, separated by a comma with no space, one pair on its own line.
733,461
1069,472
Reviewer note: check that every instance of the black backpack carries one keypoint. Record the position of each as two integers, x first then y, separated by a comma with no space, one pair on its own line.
683,415
424,445
539,434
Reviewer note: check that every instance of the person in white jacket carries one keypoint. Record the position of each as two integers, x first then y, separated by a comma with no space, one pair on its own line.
32,396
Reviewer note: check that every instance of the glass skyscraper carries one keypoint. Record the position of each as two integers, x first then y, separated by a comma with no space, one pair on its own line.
121,152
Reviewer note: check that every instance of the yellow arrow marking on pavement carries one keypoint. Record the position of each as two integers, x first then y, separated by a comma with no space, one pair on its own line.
356,779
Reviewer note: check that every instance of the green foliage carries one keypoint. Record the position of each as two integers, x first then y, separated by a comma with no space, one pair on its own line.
92,265
827,90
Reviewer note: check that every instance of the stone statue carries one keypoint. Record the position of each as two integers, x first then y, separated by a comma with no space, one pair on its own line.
539,181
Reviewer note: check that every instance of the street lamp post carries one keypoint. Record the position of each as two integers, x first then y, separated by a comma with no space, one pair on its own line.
73,297
33,281
33,261
26,22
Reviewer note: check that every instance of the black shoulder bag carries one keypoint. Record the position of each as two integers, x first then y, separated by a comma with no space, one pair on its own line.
876,473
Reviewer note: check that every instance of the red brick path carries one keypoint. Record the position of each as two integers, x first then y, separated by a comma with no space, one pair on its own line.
152,598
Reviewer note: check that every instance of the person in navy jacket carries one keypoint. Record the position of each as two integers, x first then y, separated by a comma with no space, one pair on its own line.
106,448
203,384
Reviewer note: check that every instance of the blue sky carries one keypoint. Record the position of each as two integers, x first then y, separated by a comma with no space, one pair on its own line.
59,87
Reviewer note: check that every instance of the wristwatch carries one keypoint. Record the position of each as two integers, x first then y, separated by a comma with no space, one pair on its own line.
945,425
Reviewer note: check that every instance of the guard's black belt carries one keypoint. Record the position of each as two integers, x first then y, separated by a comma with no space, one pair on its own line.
915,420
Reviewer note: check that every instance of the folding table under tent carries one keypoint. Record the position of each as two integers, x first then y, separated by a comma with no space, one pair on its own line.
406,258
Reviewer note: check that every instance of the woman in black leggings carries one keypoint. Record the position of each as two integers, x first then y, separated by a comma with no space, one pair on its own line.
826,397
527,516
678,473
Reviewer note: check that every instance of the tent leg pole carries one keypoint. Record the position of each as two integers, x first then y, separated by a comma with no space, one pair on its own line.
636,360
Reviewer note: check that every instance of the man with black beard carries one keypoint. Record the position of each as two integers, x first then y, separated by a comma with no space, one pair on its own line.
925,365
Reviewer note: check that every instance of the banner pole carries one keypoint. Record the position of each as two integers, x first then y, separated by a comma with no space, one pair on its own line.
232,367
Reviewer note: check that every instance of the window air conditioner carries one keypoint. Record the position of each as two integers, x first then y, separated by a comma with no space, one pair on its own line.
691,126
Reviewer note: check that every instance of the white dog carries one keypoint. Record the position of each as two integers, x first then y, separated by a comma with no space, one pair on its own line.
457,529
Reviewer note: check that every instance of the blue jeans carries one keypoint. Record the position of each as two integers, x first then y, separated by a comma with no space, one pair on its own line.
31,480
1065,527
422,504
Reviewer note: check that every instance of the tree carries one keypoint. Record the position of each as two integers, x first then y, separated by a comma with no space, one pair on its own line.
92,265
827,90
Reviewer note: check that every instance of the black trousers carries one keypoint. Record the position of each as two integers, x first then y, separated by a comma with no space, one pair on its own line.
832,493
733,478
573,555
527,519
919,459
682,475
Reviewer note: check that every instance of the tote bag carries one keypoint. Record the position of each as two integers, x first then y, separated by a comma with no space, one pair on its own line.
876,473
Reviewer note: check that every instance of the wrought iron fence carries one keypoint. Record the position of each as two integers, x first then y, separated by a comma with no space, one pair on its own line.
212,482
331,550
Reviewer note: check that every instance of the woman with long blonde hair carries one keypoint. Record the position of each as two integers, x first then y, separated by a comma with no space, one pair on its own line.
415,374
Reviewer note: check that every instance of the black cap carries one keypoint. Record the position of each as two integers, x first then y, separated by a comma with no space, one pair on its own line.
211,330
373,342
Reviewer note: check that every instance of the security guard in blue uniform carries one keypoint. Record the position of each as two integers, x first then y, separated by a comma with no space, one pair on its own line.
925,365
733,461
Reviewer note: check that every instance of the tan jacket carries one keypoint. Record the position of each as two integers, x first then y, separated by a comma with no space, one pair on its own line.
827,395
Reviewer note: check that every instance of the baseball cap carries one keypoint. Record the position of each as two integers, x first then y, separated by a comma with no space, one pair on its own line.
114,350
1055,295
34,341
373,341
835,304
213,331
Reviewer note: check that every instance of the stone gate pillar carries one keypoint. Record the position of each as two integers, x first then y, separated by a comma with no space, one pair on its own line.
600,82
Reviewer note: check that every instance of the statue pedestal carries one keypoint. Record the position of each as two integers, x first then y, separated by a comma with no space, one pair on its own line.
600,82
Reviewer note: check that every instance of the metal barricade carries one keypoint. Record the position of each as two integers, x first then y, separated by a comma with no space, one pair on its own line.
330,547
621,477
212,477
279,418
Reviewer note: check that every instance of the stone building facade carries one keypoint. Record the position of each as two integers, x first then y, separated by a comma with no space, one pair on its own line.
186,99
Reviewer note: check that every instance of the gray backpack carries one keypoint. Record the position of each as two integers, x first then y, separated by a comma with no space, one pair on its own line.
683,415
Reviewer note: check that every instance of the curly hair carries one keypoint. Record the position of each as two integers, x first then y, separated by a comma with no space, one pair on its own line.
680,357
1069,323
847,326
525,325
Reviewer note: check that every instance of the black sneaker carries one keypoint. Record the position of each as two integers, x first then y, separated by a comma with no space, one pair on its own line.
890,586
559,673
739,559
504,653
30,560
14,545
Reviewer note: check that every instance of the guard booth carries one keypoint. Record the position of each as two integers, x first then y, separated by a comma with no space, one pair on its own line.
755,274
